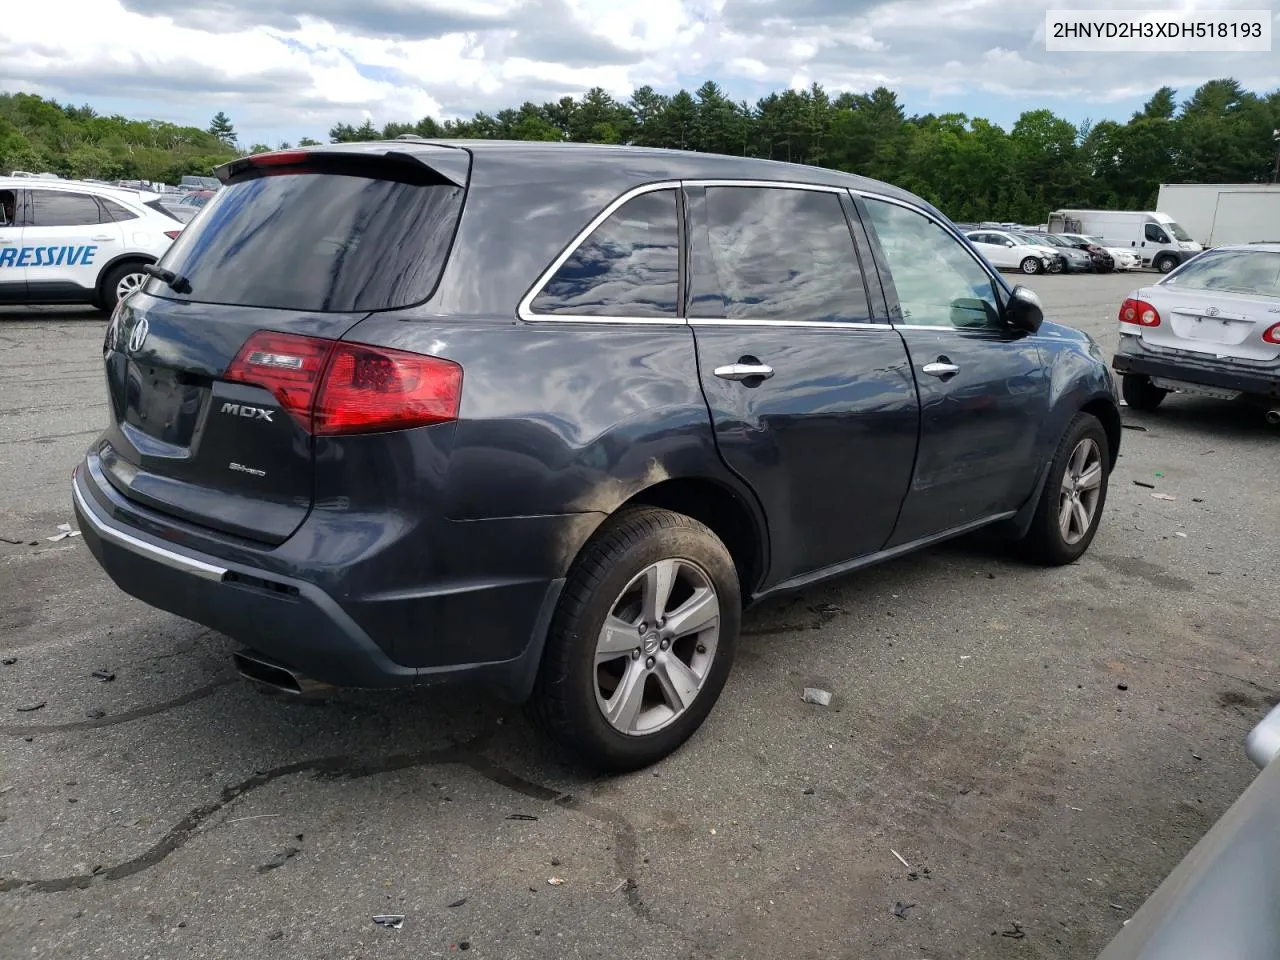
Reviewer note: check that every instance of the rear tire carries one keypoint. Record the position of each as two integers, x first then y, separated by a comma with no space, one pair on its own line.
1165,264
614,598
1140,393
1074,495
120,281
1030,266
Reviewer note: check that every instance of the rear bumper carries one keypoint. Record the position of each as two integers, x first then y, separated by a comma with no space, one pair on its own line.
1222,374
497,632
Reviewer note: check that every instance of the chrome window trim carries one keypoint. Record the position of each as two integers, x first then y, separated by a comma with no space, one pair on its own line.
525,309
820,324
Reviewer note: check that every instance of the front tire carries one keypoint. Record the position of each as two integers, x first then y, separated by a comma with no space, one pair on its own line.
1165,264
1140,393
1030,266
1074,495
121,281
641,643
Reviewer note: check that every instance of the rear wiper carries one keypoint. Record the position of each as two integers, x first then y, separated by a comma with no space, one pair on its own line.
175,282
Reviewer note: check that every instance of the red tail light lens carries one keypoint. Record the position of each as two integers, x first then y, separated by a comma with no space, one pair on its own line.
288,365
368,389
1139,313
1272,334
331,387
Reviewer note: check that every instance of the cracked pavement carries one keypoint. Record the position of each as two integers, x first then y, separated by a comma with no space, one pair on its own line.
979,729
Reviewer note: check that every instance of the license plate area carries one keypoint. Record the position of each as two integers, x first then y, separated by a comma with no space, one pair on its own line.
164,404
1226,331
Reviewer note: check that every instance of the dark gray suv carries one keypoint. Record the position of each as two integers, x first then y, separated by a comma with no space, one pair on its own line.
547,416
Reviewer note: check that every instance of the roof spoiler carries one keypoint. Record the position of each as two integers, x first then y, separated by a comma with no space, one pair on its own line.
418,162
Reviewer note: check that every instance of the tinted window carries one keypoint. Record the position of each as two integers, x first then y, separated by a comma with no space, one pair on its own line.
938,281
1155,234
1255,272
628,267
765,253
8,208
52,208
322,242
116,211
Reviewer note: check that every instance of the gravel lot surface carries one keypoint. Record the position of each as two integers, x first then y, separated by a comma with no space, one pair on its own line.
1041,747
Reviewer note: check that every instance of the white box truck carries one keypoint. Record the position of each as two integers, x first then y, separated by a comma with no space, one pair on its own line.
1220,213
1157,238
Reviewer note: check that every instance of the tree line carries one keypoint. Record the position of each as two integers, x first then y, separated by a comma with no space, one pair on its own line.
970,168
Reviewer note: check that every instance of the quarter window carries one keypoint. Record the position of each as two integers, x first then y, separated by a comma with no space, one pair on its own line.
939,283
768,253
117,212
628,267
54,208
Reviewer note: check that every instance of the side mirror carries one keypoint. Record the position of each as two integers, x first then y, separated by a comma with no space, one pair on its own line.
1008,243
1023,311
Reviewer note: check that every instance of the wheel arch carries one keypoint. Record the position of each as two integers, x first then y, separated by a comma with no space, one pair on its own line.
131,256
1108,414
723,510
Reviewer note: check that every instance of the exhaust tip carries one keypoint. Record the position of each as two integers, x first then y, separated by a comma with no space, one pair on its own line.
254,666
1273,416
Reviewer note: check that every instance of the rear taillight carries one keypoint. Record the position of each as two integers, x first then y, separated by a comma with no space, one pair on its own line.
1272,334
368,389
288,365
172,234
331,387
1140,313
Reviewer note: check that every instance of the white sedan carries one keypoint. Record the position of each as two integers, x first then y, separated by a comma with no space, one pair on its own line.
1013,251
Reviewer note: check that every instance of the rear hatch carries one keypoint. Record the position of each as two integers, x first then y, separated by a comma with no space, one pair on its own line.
1225,304
213,368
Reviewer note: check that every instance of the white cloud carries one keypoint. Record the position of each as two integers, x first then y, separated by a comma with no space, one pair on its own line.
278,65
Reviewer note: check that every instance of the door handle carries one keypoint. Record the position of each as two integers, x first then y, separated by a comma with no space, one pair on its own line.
3,241
744,371
102,237
940,368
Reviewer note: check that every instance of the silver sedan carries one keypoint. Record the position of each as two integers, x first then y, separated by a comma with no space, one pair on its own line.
1210,327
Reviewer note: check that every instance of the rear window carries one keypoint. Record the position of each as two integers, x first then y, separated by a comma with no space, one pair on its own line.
1252,272
323,242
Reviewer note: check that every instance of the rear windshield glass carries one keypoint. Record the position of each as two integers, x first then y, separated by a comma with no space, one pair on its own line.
316,242
1255,272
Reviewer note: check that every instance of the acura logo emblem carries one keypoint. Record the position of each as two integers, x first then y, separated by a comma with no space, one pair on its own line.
139,335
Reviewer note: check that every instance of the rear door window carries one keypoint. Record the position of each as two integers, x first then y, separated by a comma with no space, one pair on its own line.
318,241
58,208
772,253
628,267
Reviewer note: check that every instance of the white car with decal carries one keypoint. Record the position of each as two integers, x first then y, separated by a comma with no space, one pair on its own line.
62,241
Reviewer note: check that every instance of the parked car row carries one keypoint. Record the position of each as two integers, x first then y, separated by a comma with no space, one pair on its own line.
1033,250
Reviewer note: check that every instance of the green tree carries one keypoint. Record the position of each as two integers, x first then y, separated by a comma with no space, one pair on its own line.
220,127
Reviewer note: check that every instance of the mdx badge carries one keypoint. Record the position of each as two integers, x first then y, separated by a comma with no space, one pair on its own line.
244,410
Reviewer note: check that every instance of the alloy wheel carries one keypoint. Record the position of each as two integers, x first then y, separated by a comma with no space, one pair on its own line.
128,284
1081,491
656,647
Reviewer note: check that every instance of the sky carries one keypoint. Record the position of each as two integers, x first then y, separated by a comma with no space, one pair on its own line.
284,69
